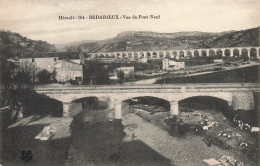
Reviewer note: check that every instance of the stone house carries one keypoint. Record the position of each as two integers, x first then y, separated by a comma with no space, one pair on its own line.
128,71
168,64
40,63
68,70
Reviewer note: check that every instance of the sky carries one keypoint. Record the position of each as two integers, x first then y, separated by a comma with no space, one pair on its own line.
39,19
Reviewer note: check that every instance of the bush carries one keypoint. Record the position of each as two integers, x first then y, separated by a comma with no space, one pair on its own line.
74,82
96,73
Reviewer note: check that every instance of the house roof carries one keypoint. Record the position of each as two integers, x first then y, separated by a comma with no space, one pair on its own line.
58,64
63,55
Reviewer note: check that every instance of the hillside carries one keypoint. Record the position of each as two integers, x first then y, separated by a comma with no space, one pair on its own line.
13,44
142,41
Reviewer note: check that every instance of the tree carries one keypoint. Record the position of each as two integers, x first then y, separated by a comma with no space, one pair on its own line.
96,73
29,68
121,76
6,72
245,58
22,78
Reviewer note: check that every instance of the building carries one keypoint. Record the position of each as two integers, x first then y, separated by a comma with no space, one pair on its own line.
40,63
168,64
76,61
218,60
143,60
68,70
127,70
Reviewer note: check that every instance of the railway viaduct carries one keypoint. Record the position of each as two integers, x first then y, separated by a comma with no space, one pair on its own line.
207,52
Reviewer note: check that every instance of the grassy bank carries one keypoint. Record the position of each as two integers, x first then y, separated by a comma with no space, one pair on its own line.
239,75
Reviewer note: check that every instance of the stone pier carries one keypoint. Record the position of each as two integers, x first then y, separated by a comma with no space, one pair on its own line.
174,108
71,109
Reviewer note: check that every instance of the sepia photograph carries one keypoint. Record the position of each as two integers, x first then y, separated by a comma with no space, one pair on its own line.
129,82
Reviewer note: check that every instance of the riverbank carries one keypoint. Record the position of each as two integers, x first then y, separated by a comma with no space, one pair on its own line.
235,75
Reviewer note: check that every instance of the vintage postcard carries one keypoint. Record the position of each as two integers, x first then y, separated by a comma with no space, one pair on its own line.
129,82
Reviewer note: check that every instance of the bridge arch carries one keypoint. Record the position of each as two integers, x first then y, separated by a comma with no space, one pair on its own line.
141,55
130,55
196,53
90,100
244,52
174,53
161,54
253,52
203,53
113,55
236,52
227,53
189,53
124,55
148,55
107,56
181,54
118,55
219,53
147,101
101,56
154,55
211,53
204,103
227,96
135,55
168,54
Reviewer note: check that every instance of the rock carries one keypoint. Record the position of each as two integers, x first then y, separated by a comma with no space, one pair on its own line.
52,131
38,136
46,130
44,138
20,116
255,129
212,161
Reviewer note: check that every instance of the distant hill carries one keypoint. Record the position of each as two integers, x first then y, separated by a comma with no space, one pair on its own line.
143,41
13,44
62,46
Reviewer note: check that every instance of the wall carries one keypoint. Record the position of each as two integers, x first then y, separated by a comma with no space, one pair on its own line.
42,63
125,108
243,101
66,71
176,65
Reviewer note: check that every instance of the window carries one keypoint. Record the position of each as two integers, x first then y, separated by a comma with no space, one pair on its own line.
32,59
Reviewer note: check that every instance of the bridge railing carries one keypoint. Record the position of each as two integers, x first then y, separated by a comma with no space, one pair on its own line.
181,87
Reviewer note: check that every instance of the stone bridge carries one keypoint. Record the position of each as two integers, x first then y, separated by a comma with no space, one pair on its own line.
237,96
206,52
